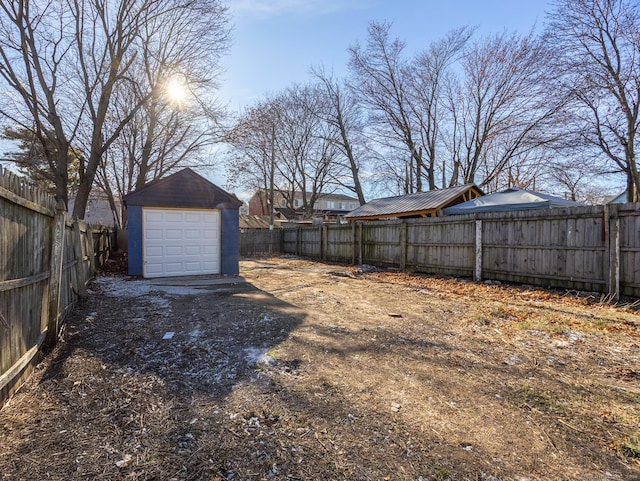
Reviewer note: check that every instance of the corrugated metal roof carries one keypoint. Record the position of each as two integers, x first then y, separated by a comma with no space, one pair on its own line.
254,221
404,205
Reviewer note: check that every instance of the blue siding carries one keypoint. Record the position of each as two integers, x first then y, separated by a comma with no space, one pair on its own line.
230,241
134,231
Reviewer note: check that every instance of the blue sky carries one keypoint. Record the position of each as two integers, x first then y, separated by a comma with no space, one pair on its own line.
275,42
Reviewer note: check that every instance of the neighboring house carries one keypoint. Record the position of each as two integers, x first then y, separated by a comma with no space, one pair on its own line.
327,208
98,210
182,225
509,200
421,204
621,198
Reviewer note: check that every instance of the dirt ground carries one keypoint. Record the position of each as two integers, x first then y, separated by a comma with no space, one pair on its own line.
314,371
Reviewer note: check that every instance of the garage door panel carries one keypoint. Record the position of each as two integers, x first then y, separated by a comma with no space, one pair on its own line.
153,234
173,234
174,251
180,242
154,251
198,250
154,216
195,217
174,216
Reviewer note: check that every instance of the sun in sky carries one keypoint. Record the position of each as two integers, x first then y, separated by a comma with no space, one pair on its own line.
176,91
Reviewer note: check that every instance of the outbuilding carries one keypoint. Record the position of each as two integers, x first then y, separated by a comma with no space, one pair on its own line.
420,204
182,225
509,200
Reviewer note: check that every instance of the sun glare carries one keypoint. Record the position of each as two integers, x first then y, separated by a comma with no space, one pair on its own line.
175,90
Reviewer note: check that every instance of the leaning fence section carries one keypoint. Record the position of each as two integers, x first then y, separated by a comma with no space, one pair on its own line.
46,261
594,248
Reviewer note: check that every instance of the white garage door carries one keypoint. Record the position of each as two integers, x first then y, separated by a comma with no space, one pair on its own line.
180,242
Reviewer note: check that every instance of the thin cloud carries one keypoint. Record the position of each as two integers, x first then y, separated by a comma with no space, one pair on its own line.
270,8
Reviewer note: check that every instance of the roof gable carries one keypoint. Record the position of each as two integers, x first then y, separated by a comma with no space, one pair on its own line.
411,205
185,188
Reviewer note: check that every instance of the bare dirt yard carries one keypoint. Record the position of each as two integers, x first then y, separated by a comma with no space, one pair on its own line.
313,371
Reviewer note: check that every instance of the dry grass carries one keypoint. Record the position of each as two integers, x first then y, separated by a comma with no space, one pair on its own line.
318,371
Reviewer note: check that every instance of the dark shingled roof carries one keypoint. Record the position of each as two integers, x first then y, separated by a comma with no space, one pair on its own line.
420,203
183,189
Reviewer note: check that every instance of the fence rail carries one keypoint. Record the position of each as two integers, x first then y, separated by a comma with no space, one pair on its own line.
46,261
595,248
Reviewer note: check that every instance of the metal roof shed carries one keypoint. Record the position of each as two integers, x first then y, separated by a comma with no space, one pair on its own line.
421,204
182,225
510,200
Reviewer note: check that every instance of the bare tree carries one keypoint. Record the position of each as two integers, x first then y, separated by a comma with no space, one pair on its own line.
33,51
69,59
305,150
379,78
427,75
253,155
342,114
597,49
501,108
179,121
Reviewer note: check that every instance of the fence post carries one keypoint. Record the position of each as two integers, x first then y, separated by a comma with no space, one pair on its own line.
477,273
321,241
613,245
55,275
354,243
81,288
92,251
360,243
403,246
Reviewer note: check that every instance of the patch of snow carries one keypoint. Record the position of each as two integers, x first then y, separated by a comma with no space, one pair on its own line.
195,333
575,337
258,355
125,287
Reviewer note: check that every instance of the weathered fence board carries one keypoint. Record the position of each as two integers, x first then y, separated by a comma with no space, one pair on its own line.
260,241
36,295
595,248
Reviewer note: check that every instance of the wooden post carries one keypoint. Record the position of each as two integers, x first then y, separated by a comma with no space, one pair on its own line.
298,240
360,243
354,244
613,283
55,275
477,273
81,276
403,246
92,251
321,241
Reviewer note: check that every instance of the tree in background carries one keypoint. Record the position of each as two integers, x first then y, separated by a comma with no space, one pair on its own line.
429,74
31,160
597,47
304,146
342,114
252,158
502,111
179,122
76,69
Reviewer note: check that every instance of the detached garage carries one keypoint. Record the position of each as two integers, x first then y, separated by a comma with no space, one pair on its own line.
182,225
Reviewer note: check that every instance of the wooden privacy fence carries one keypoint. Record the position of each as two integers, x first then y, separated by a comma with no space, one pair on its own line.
260,241
595,248
46,261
